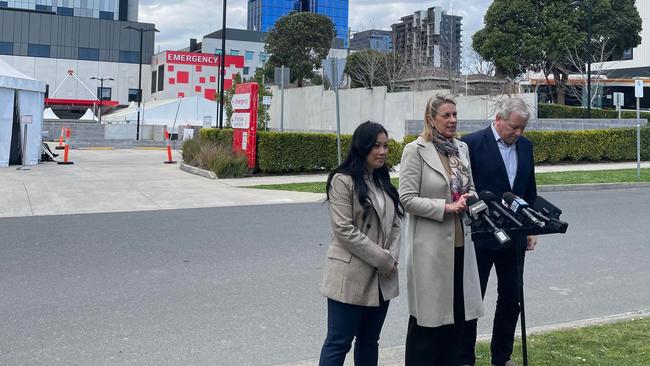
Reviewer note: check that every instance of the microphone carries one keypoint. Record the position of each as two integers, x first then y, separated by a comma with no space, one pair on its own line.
518,205
477,209
490,198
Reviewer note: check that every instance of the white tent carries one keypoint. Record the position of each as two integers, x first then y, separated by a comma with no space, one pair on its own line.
27,95
48,113
88,116
192,110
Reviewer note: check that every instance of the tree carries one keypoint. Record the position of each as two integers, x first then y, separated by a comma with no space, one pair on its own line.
394,67
533,35
299,41
262,111
366,69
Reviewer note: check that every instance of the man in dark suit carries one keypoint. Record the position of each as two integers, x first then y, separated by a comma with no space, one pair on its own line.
502,161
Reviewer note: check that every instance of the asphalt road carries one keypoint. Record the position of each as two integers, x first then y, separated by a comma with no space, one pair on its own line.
239,285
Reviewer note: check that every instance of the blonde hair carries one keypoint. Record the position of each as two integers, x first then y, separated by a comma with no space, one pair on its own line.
433,105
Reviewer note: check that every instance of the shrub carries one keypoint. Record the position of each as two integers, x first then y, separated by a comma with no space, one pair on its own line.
191,149
292,152
616,144
217,136
211,152
563,111
222,161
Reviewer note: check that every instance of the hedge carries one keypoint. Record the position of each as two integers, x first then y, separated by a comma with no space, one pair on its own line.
589,145
302,152
563,111
616,144
219,137
292,152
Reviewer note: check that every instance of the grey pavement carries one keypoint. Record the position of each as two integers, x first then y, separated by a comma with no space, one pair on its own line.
122,180
239,285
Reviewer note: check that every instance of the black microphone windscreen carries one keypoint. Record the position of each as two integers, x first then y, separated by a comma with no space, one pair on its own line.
487,196
471,200
509,197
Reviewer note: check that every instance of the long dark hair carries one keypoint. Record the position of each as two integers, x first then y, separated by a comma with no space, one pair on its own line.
354,165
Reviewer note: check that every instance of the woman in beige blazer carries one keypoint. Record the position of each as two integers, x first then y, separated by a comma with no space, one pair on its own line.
442,275
361,269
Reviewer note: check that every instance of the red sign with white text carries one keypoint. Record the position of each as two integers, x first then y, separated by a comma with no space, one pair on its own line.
244,121
190,58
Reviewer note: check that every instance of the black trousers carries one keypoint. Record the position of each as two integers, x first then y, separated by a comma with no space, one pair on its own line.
439,346
344,323
507,309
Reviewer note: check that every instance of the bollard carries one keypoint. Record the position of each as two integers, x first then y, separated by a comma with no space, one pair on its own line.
65,156
169,148
61,147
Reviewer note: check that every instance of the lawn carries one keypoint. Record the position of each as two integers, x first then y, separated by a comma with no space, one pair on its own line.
571,177
619,344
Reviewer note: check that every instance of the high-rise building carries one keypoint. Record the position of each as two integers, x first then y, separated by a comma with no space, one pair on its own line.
373,39
429,38
65,43
262,14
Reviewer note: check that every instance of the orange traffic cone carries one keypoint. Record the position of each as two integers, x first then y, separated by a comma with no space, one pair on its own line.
61,147
65,156
169,148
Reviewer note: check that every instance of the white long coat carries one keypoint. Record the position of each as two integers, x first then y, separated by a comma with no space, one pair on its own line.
424,191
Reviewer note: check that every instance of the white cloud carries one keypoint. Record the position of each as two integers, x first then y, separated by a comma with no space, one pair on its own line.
180,20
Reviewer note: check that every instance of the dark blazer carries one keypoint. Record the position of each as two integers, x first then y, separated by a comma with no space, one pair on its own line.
489,170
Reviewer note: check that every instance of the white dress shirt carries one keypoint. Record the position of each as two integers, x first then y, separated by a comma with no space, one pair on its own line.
509,155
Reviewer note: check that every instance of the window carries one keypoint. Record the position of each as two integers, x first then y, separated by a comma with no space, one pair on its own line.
234,52
62,10
91,54
161,77
246,69
104,93
249,55
38,50
263,57
42,8
109,15
6,48
129,57
4,4
133,94
217,51
154,80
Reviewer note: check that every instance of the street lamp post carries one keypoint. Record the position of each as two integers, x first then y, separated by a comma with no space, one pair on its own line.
101,90
587,4
222,68
142,31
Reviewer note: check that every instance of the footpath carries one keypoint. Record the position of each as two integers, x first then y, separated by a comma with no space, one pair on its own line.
137,180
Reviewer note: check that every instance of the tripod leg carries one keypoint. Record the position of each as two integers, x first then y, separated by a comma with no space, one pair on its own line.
522,310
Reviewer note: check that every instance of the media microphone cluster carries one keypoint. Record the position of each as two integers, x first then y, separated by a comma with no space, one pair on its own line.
491,218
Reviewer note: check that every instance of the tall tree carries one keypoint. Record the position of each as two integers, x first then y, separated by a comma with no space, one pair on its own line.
299,41
366,69
523,35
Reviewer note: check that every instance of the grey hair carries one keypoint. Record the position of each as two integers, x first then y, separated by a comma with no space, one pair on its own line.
514,105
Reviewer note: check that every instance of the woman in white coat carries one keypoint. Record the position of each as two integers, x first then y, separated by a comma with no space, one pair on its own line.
442,275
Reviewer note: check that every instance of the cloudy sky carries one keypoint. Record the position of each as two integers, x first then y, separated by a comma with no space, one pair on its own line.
180,20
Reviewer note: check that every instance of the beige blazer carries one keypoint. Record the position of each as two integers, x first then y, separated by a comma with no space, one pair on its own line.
360,248
424,191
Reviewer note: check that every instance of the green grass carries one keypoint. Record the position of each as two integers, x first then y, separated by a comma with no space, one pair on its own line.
597,176
571,177
619,344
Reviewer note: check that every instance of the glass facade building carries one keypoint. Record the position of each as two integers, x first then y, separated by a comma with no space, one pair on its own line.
99,9
262,14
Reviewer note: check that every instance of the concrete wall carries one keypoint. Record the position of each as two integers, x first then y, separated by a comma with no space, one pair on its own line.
314,109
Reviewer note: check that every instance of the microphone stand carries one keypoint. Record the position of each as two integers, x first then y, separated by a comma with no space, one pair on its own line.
521,252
